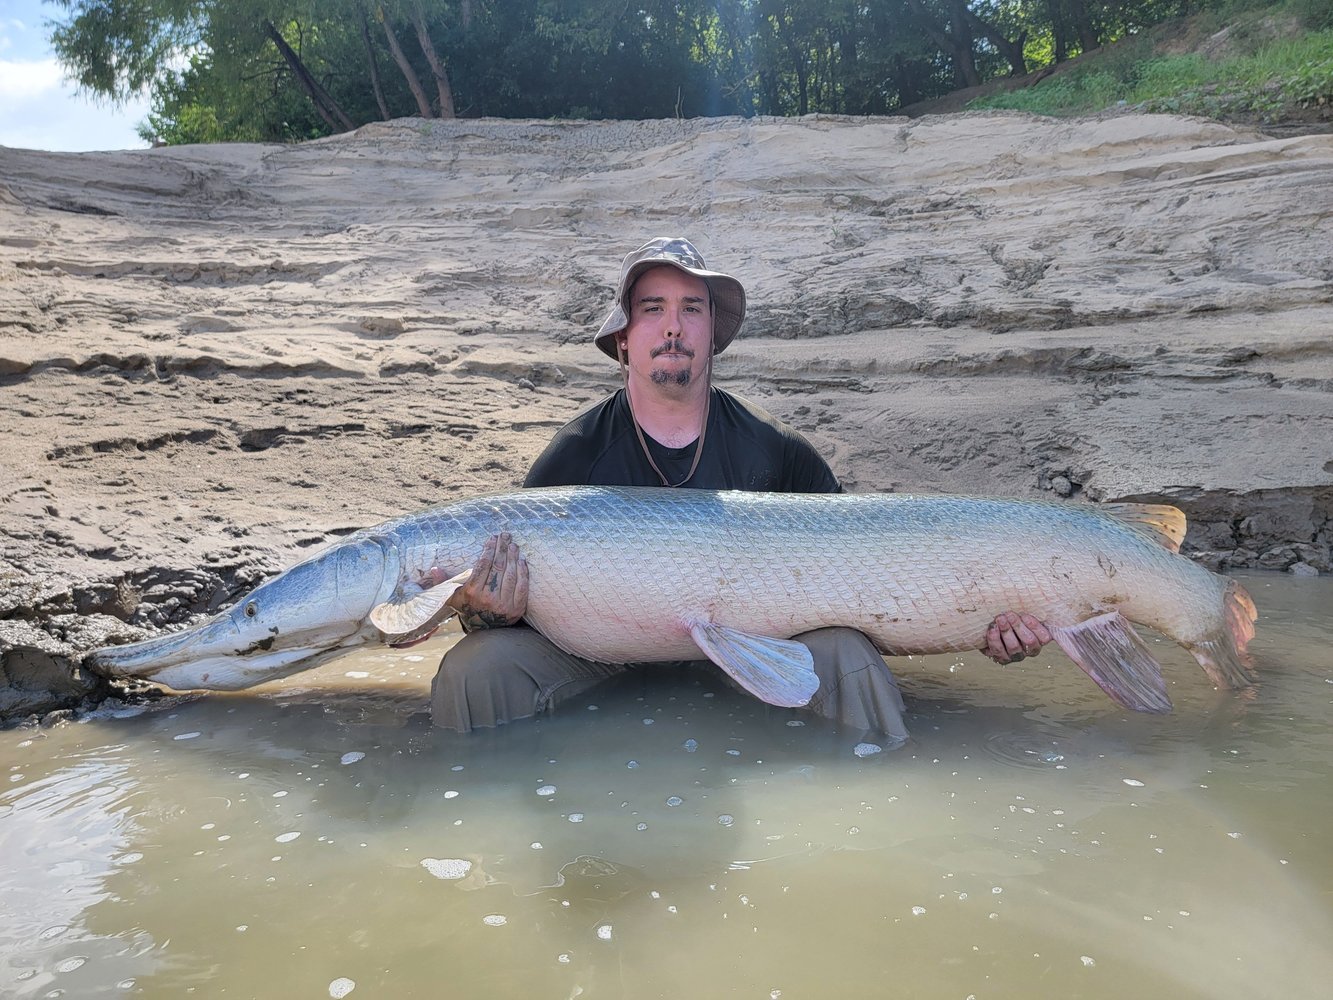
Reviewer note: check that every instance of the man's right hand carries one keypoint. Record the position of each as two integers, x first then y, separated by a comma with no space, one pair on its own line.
496,594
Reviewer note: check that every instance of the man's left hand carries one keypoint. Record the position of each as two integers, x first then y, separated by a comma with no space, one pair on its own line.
1013,636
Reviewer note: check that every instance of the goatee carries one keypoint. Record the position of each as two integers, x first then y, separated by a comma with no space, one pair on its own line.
680,377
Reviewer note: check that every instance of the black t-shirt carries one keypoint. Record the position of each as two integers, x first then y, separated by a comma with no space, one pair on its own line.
745,448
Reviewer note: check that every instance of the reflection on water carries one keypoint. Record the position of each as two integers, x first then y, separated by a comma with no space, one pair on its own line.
668,837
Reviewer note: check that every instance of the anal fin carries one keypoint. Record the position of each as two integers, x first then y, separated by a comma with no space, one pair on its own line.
777,671
1109,651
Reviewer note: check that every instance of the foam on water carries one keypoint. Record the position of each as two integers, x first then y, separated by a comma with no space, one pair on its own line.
447,868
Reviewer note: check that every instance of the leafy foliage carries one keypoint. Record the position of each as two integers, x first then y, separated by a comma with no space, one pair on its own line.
279,70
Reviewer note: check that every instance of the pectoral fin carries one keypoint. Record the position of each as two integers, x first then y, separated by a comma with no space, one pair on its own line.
1110,652
778,671
413,613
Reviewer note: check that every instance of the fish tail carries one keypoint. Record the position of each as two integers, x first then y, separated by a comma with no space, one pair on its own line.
1224,652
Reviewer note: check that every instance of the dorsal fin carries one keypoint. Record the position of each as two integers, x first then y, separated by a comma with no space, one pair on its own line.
1164,524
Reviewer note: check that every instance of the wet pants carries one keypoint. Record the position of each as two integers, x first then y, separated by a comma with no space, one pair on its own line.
498,675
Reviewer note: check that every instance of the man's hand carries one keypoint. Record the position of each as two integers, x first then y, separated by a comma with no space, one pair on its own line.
496,594
1012,636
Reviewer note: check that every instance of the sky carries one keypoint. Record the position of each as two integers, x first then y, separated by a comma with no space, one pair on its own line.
39,109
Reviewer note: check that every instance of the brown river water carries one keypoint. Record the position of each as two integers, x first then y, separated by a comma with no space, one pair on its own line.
668,837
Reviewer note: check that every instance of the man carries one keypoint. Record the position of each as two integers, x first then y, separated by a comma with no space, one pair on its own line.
668,426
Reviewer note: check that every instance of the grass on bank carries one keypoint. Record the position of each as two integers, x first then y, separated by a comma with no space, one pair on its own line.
1270,80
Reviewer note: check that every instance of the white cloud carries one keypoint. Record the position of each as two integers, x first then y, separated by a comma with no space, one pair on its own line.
39,109
26,80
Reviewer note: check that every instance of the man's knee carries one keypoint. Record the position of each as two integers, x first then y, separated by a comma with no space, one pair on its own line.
856,686
838,650
481,682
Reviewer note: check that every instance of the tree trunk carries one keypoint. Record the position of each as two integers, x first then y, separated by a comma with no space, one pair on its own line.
327,107
436,67
853,95
726,17
965,60
958,46
409,74
374,67
906,81
1013,51
1088,37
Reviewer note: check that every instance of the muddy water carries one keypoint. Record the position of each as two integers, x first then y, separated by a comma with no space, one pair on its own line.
667,837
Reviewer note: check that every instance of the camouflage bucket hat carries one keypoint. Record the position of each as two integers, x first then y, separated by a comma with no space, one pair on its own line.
727,294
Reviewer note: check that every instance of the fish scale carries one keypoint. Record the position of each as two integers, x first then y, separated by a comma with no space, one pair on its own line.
631,574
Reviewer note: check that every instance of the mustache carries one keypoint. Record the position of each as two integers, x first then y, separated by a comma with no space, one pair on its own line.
670,348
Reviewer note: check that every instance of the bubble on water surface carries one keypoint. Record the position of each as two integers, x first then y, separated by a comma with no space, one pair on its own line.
867,749
287,838
632,764
186,736
359,675
495,920
52,932
690,746
795,723
576,817
447,868
604,932
351,757
125,984
918,910
451,794
546,790
340,987
733,753
1087,960
641,827
536,845
647,722
674,800
70,964
726,819
279,795
129,859
1133,782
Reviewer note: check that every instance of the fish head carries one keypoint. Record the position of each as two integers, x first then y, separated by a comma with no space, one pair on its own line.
315,607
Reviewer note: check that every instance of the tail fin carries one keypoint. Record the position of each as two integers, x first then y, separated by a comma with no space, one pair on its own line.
1224,654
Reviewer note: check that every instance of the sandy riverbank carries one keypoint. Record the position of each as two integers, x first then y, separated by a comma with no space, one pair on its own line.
214,358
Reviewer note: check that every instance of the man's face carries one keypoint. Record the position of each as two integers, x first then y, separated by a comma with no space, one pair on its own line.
670,332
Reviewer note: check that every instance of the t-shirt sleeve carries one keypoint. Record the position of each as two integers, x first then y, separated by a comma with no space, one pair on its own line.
553,467
806,471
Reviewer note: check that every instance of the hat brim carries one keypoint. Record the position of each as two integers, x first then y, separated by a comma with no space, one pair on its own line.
727,294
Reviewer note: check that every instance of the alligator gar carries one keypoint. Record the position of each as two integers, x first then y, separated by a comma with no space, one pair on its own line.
624,575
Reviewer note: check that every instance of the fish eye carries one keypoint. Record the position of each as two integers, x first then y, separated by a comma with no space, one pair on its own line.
251,609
